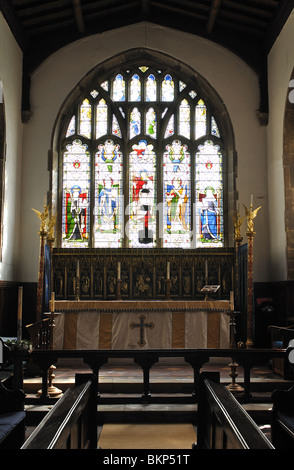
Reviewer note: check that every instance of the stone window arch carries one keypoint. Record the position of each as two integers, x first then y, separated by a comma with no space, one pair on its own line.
143,155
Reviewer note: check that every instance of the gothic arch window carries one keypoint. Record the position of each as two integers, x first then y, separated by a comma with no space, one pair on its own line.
141,161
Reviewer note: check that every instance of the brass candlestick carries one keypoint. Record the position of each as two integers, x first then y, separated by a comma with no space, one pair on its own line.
250,214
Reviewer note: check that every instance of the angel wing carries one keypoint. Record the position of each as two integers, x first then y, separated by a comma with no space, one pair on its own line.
42,216
254,213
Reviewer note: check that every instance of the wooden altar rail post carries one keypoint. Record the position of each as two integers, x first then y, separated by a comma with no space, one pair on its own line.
196,357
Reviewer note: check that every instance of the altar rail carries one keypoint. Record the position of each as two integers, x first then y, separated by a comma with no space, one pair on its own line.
143,273
246,358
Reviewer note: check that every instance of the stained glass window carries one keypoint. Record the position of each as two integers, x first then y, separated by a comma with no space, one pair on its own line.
177,195
108,193
76,195
151,88
135,90
142,164
101,118
85,119
142,180
118,91
209,195
135,123
168,92
184,119
200,119
151,126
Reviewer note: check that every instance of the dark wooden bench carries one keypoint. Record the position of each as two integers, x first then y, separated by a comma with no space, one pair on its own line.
280,338
282,426
72,422
12,414
222,421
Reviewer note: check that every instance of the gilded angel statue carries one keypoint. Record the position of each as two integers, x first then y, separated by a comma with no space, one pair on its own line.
43,216
237,224
250,214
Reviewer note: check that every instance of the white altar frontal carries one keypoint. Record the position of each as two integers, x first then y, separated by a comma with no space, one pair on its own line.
142,324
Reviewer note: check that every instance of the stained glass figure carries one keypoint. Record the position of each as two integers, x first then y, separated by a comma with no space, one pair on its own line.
151,88
101,118
135,123
151,126
177,196
167,90
142,170
170,128
184,119
71,127
135,88
119,88
76,195
214,127
209,196
115,127
86,118
200,119
108,192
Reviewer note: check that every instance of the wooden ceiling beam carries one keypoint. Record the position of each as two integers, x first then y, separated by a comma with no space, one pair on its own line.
79,15
213,14
145,7
180,11
247,9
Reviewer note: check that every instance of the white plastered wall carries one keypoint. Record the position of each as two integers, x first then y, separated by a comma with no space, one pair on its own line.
280,66
235,82
11,78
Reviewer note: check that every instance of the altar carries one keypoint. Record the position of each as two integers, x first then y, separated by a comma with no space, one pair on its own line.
142,324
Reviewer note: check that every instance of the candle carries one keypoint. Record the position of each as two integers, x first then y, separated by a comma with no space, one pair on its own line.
206,269
118,271
78,268
52,301
232,300
251,200
168,270
19,314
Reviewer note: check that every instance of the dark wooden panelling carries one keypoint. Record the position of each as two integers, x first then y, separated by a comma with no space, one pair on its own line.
9,305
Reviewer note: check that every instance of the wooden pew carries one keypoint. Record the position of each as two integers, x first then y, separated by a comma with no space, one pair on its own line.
222,421
12,414
280,338
282,426
72,422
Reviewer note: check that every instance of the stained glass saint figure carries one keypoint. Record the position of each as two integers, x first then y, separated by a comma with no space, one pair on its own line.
151,88
142,225
167,88
135,88
135,123
118,92
209,195
108,189
76,202
176,172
